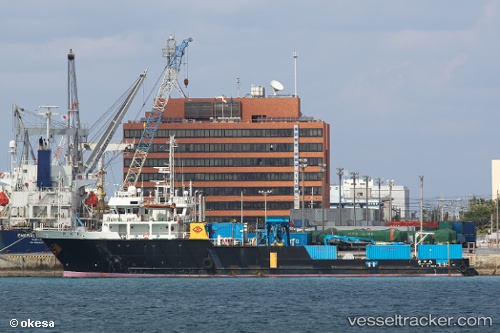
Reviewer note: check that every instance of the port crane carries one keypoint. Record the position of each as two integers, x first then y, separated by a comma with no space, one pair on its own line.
174,54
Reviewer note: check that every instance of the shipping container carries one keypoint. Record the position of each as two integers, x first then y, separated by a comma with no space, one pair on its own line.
388,235
380,252
458,227
469,228
226,230
440,251
300,238
322,252
469,238
444,225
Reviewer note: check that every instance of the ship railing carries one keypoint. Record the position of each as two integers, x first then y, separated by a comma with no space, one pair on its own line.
226,241
154,236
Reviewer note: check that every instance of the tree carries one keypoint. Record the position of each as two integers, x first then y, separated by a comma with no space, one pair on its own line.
480,211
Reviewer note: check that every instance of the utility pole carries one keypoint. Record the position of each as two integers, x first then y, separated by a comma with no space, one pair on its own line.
323,188
367,179
421,207
340,172
391,183
354,176
379,182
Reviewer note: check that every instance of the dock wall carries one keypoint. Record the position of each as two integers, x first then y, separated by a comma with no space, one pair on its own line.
33,264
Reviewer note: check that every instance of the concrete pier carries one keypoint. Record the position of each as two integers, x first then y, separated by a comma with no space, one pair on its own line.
34,264
486,260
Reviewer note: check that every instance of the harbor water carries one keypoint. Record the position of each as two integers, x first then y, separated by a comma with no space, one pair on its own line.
378,304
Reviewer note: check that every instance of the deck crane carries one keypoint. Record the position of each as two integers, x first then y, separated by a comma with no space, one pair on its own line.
174,54
102,144
22,132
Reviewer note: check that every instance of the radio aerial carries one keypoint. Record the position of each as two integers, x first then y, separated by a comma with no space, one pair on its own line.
277,86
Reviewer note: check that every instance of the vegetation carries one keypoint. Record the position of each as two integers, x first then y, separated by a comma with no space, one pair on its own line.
482,212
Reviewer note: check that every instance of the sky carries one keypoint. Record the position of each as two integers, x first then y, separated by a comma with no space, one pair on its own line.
409,88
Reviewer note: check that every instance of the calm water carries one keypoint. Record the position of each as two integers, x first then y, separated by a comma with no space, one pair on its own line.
245,304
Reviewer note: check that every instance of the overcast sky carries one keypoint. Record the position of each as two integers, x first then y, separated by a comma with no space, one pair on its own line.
409,87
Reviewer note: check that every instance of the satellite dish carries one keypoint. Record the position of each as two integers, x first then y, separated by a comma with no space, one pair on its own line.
277,86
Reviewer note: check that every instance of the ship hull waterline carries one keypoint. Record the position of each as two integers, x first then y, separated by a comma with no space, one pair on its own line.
199,258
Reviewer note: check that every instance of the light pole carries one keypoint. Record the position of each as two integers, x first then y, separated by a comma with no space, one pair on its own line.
323,189
354,175
340,172
421,207
379,181
367,179
390,182
265,193
303,165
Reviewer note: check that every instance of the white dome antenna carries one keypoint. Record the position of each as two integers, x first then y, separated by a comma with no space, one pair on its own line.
277,86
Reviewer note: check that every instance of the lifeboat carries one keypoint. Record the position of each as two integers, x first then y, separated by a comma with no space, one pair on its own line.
4,199
91,199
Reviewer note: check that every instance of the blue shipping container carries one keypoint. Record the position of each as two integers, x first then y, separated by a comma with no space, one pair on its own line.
440,251
471,238
300,239
226,230
322,252
469,228
457,226
380,252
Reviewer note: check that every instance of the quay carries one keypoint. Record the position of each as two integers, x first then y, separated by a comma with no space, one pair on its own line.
43,264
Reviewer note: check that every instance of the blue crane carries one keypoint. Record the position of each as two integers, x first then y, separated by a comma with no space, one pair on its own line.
174,55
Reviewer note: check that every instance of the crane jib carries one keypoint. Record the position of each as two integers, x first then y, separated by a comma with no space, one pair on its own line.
156,114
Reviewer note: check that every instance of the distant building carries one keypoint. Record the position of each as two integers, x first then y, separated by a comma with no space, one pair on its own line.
233,149
377,201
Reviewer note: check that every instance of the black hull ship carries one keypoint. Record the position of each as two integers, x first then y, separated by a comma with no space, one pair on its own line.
192,258
158,236
163,234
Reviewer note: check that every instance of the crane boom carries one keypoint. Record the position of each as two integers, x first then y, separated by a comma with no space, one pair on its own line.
103,142
174,57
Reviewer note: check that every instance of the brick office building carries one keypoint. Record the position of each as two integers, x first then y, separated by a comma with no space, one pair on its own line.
234,149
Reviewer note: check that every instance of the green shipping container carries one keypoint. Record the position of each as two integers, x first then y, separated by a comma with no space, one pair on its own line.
388,235
444,225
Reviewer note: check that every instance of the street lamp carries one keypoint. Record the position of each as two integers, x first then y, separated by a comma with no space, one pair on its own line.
323,188
265,193
391,183
303,165
354,175
340,173
379,181
367,179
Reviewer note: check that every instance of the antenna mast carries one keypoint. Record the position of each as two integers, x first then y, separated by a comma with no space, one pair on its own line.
295,55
